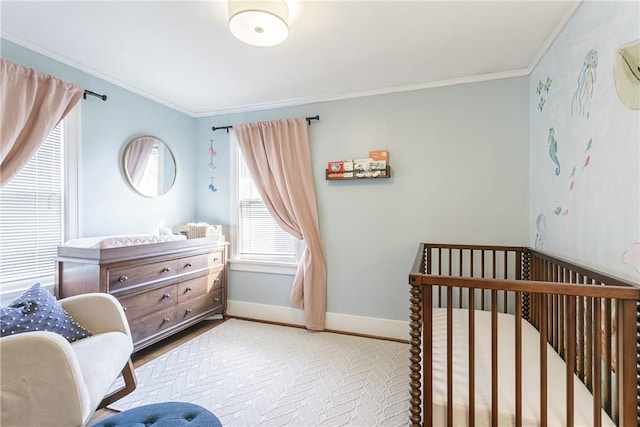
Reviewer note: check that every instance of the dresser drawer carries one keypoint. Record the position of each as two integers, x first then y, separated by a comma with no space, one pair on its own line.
199,305
150,301
124,277
152,324
197,287
200,262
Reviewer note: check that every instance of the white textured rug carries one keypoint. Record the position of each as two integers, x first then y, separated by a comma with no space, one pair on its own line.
255,374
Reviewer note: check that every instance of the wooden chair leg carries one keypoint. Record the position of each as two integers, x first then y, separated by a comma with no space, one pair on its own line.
130,384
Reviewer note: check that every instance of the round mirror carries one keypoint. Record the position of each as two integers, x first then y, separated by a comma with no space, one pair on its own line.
149,165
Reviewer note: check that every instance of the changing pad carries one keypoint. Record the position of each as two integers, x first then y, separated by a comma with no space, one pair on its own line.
106,242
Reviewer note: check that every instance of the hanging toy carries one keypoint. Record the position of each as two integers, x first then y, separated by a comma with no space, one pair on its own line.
211,166
212,154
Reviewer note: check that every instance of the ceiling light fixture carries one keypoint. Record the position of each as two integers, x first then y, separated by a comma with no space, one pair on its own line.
259,22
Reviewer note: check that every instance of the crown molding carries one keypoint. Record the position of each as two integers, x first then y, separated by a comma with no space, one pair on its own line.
351,95
293,102
78,66
554,35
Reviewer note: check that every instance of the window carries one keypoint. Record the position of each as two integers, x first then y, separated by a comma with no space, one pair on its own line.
38,211
255,235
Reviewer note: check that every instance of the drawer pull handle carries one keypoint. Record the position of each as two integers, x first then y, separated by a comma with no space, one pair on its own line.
217,299
188,264
217,280
166,270
188,289
216,259
165,320
189,310
122,279
166,295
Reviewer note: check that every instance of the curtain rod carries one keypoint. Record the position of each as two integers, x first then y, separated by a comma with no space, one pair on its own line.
215,128
88,92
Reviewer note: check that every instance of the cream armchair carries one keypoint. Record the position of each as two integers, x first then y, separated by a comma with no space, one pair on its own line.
47,381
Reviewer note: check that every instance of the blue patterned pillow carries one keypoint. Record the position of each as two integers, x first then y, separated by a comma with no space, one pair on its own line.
38,310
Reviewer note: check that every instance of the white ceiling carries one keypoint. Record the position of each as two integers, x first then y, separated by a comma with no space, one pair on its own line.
180,53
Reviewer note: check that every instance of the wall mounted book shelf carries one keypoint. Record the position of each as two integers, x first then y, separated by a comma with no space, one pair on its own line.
357,175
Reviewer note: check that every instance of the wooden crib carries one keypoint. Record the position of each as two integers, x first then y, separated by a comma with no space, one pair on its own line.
554,343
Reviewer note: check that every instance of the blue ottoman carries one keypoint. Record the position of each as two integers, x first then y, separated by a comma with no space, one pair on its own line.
169,414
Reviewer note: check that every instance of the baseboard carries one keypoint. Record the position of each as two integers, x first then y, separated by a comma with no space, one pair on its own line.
361,325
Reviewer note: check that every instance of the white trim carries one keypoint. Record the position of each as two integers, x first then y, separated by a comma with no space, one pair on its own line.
72,169
554,35
263,266
293,102
71,63
374,326
313,99
373,92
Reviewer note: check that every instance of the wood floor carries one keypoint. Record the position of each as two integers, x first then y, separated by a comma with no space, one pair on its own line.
155,350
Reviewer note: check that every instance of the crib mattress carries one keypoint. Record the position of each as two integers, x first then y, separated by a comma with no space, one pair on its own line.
556,374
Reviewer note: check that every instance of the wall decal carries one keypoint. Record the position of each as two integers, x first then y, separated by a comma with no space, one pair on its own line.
632,257
581,102
626,74
553,149
541,235
543,87
211,166
558,211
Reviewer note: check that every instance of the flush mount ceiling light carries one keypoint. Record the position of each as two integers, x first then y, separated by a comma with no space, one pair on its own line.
259,22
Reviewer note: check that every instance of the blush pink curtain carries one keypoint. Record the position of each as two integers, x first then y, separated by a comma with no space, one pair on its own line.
31,106
279,160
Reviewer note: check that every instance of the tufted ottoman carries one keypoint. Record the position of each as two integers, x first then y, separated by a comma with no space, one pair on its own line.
169,414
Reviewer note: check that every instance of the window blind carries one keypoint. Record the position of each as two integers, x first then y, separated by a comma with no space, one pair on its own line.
260,236
31,215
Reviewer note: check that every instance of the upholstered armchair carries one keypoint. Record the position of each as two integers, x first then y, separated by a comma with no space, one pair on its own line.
49,381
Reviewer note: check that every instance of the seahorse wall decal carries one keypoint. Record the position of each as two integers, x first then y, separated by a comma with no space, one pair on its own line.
586,82
541,235
553,149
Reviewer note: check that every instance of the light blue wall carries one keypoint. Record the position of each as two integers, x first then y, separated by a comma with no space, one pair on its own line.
108,204
589,211
459,158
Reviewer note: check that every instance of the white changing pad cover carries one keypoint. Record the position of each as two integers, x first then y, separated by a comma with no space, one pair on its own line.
556,382
107,242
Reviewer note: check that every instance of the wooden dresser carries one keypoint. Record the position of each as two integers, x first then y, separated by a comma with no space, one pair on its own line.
163,287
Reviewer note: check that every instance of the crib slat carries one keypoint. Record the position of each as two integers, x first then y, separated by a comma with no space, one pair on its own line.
581,302
427,356
440,272
608,404
627,369
505,268
590,344
518,360
553,321
561,349
472,358
597,355
483,275
449,357
460,268
494,357
543,360
571,356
